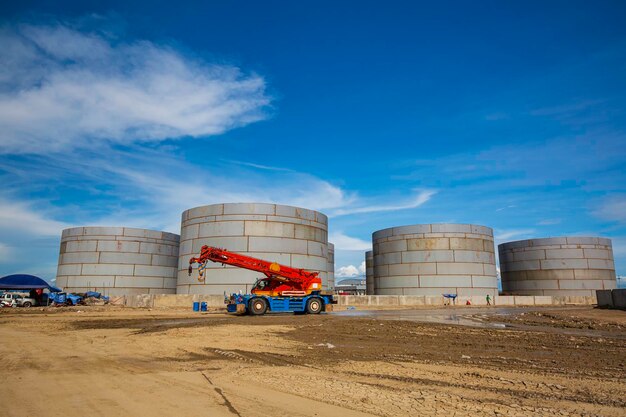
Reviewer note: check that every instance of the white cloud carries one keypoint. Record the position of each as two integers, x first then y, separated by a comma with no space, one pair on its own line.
506,207
421,197
164,194
62,89
260,166
347,272
344,242
23,217
150,188
350,271
613,209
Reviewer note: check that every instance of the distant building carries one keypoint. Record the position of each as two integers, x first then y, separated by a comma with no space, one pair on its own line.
352,286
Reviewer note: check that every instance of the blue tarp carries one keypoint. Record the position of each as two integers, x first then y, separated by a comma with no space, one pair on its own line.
93,294
24,282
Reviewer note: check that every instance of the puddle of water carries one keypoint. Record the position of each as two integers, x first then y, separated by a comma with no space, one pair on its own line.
473,317
426,316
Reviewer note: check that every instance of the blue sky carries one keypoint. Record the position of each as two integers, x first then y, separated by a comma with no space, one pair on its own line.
376,113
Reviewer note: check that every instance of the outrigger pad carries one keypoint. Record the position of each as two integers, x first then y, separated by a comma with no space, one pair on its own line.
328,307
241,309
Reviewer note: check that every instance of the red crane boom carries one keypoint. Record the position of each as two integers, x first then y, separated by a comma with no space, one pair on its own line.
281,280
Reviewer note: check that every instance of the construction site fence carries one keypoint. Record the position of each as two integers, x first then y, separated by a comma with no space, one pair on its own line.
187,300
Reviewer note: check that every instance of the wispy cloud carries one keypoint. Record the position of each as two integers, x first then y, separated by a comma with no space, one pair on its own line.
549,222
567,109
61,88
151,188
24,217
420,197
259,166
594,160
612,208
504,235
506,207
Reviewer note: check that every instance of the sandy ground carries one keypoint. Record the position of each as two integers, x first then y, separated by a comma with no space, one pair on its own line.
124,362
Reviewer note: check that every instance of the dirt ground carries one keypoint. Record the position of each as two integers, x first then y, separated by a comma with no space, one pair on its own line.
124,362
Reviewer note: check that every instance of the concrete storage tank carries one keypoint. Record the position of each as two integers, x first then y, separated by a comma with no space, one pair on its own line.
331,268
287,235
575,266
118,260
435,259
369,273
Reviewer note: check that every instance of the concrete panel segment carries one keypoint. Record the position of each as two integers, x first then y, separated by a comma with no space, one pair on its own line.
80,246
125,258
414,268
78,257
231,243
433,243
103,231
427,256
330,274
467,244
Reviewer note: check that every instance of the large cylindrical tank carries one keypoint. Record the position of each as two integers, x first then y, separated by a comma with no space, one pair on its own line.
118,260
331,268
369,273
287,235
575,266
435,259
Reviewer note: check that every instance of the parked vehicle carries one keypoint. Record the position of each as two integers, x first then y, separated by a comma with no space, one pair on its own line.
17,300
4,303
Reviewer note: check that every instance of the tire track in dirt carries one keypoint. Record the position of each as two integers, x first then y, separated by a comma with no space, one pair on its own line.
219,391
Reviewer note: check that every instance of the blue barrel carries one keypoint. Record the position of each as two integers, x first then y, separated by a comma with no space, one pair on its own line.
196,306
203,306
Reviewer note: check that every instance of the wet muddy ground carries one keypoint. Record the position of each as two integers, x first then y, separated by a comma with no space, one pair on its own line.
363,338
380,363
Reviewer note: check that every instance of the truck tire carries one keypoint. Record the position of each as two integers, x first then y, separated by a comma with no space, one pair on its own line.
258,306
314,306
27,304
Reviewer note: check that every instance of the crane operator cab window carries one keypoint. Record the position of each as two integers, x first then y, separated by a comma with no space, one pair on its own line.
260,284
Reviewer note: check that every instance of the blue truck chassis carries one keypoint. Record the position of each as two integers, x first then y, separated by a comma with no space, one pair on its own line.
258,305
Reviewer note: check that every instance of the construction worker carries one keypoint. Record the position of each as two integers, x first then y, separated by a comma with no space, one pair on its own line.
488,300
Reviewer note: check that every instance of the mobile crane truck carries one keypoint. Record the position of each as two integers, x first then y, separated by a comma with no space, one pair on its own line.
284,288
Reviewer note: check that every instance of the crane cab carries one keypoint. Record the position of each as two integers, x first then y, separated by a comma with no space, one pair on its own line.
275,287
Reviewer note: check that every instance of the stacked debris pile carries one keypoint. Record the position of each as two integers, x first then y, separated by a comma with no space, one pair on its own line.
93,298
